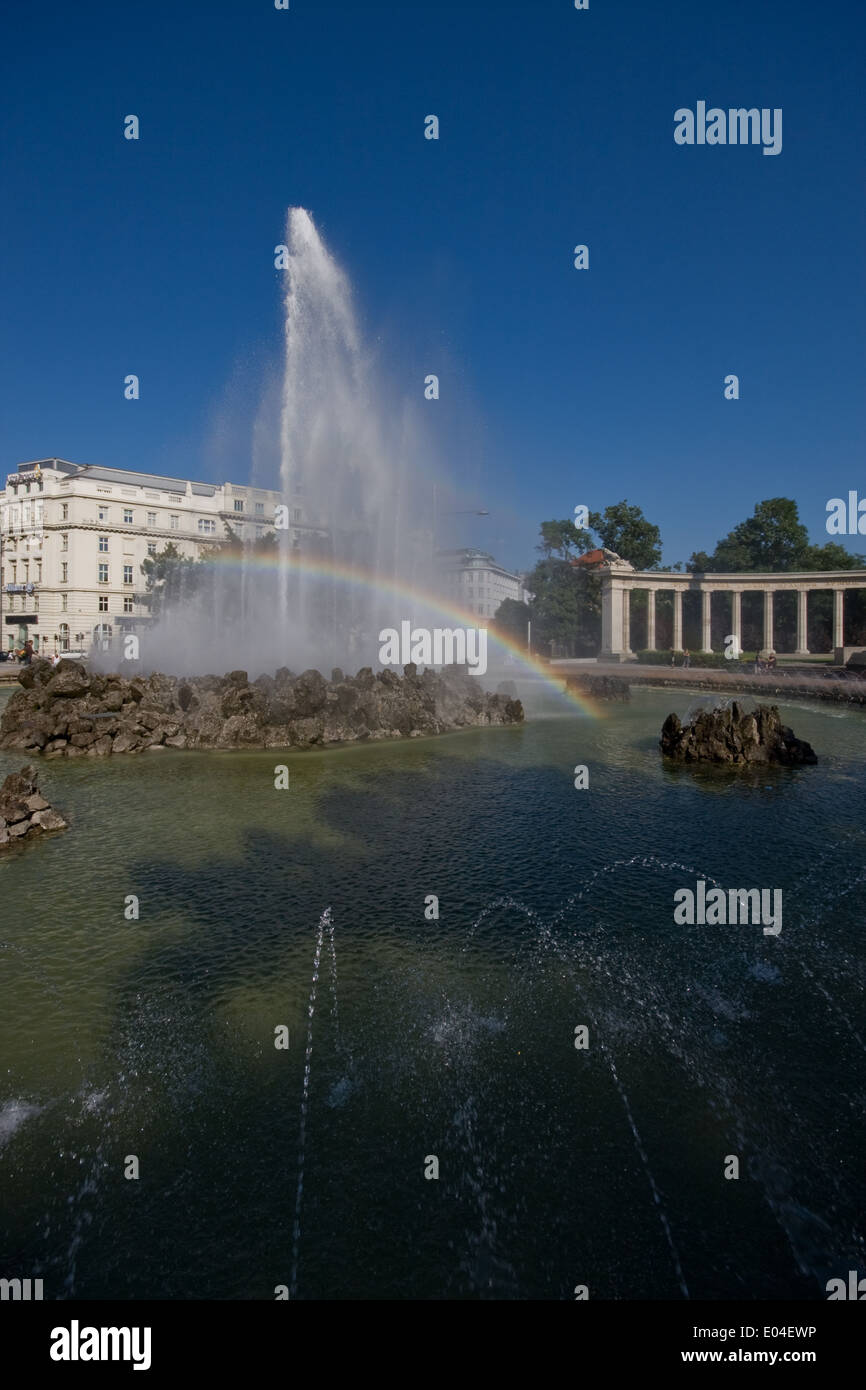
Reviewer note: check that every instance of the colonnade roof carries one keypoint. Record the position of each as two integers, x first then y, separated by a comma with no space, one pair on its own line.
661,579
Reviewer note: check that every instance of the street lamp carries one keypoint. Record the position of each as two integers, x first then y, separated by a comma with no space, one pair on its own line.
460,511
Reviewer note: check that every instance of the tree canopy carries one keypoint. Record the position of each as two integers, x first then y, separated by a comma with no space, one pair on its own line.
625,530
772,539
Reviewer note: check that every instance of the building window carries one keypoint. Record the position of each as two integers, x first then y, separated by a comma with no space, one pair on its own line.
151,547
127,574
127,604
206,526
260,531
103,603
296,514
102,513
103,544
260,509
64,511
64,637
38,571
64,602
64,542
127,516
64,572
174,522
239,504
151,518
103,574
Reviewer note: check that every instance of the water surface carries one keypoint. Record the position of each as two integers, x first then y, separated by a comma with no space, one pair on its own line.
452,1037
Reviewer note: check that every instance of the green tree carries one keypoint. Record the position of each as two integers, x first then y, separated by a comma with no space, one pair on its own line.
562,538
566,608
170,578
511,619
625,530
773,538
832,556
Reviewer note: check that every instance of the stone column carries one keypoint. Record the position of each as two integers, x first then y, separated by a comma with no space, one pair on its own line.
768,619
706,620
802,623
678,620
611,618
838,618
626,622
651,619
737,620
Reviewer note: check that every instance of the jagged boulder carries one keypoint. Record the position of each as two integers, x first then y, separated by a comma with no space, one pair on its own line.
309,693
733,735
69,680
23,809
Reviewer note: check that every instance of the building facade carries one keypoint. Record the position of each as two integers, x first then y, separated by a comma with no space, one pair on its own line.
473,579
73,539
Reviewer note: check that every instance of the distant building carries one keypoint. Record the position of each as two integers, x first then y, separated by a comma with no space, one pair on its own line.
73,538
474,580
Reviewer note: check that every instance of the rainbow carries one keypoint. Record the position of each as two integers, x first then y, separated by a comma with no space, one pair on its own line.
368,580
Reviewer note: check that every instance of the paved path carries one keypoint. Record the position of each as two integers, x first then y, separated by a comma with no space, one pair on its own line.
817,683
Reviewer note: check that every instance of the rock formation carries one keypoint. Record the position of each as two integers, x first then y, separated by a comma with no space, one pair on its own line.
67,711
23,811
734,735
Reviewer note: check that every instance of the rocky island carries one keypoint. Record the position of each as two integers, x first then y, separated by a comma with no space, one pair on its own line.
68,711
23,810
734,735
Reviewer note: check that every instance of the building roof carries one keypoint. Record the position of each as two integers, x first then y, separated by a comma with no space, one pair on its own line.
122,476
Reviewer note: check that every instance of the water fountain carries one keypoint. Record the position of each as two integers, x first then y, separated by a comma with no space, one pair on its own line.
354,473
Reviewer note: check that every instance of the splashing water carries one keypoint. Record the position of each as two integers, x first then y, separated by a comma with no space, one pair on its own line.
324,921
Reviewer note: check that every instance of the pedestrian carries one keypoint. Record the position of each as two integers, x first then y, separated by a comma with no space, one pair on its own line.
687,660
28,652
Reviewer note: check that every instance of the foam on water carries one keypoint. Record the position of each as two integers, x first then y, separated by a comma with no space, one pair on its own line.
14,1114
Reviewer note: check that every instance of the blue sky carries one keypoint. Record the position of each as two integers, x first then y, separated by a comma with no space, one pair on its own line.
558,387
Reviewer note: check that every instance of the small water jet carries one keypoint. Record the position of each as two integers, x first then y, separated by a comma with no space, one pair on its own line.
324,921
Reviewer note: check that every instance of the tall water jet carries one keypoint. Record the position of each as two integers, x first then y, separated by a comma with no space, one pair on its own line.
355,482
344,468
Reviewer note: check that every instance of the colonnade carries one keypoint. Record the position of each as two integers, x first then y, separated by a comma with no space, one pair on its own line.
619,581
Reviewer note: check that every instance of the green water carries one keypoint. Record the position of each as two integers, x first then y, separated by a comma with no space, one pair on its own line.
451,1037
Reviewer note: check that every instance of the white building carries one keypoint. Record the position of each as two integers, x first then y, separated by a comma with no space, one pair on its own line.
73,539
474,580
